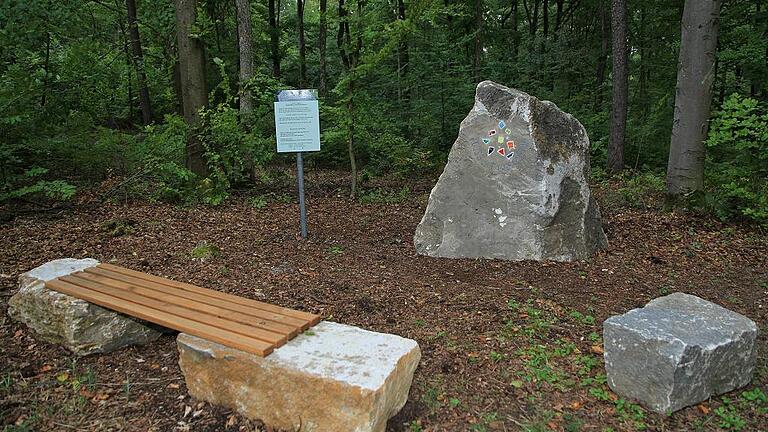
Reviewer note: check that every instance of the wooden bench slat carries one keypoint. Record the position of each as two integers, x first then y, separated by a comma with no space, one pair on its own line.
134,294
286,330
258,313
165,319
312,318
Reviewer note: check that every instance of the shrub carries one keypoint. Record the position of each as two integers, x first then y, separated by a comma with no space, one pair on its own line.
738,159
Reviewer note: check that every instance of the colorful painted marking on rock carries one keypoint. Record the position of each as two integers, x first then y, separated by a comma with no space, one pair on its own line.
490,150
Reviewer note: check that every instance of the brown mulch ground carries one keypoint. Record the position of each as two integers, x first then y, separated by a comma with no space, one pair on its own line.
506,345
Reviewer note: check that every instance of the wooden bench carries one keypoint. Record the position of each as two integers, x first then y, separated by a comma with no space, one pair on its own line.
248,325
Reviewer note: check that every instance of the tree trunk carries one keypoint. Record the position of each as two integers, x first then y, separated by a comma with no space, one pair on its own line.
698,45
274,38
478,39
127,52
620,86
138,63
342,37
515,33
403,60
46,67
302,45
602,60
245,45
558,16
351,140
545,11
349,56
323,35
194,92
533,18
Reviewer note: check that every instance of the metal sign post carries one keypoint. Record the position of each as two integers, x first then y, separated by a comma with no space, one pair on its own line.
297,127
302,208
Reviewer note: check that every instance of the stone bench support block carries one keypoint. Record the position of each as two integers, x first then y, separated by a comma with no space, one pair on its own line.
79,326
677,351
334,378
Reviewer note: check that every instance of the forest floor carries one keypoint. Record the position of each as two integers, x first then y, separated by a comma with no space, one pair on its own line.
506,346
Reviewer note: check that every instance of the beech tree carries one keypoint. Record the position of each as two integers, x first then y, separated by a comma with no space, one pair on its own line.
245,44
620,86
138,63
478,40
695,74
322,36
274,35
302,45
194,90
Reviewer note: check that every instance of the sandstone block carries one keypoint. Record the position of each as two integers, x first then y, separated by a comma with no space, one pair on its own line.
333,378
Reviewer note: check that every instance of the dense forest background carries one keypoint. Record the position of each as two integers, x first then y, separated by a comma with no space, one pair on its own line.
90,91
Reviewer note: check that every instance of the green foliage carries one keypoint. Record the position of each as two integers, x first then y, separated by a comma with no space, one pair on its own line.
738,159
69,101
28,185
728,415
231,152
379,196
644,190
258,202
204,251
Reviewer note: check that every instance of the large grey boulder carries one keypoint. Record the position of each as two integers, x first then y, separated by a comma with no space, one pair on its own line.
79,326
515,185
677,351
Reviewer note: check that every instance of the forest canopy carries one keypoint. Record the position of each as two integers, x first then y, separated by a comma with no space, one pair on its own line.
92,91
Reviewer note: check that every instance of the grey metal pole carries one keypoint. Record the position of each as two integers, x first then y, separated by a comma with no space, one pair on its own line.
302,208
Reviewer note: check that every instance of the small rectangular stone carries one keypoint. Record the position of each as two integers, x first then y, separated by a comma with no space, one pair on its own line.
677,351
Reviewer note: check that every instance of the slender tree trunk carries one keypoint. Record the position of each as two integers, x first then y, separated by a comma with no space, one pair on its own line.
349,56
545,11
351,140
245,45
533,18
602,60
138,63
177,87
127,52
194,90
323,35
620,86
478,40
302,45
515,32
274,37
403,60
46,66
698,45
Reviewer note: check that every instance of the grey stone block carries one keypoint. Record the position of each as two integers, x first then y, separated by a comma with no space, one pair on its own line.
677,351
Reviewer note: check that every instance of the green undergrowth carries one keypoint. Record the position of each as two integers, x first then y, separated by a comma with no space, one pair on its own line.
545,355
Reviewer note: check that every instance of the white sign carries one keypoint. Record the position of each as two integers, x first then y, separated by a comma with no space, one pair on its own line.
297,125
